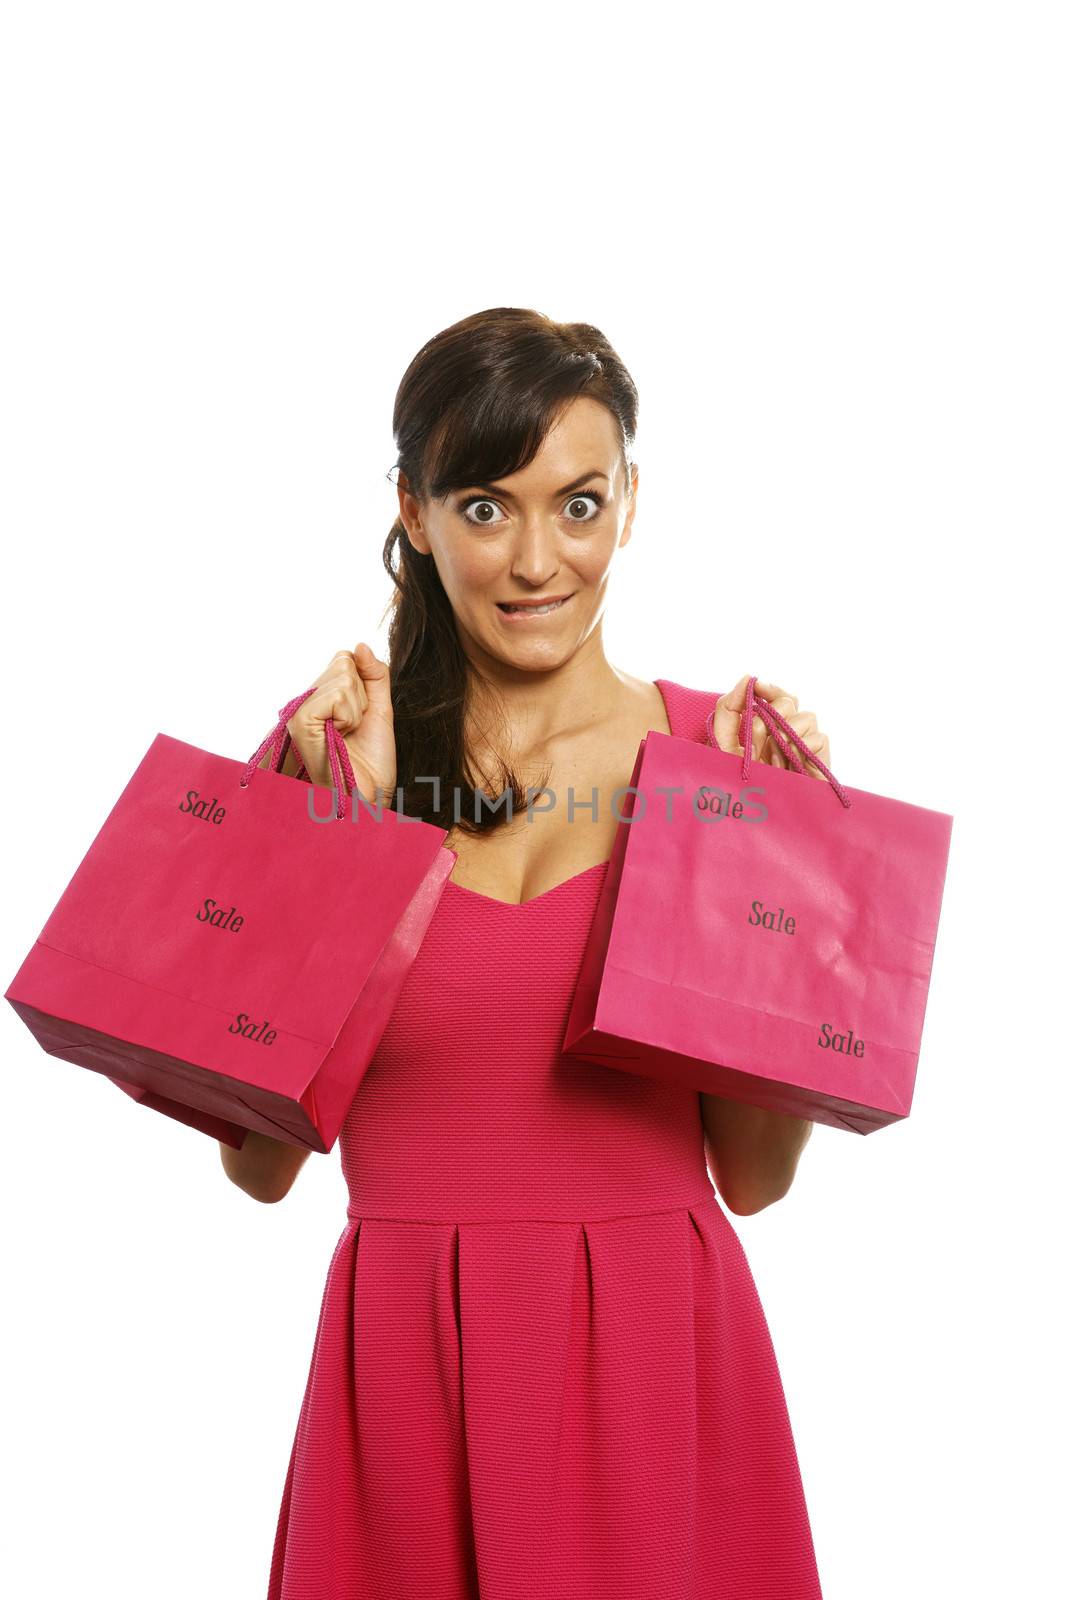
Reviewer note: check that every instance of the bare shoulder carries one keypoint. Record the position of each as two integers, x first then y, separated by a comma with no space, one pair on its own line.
644,701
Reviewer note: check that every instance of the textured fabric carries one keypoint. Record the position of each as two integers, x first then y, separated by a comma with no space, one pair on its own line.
542,1369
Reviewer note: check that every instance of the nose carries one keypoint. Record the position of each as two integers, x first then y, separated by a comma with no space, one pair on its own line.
536,559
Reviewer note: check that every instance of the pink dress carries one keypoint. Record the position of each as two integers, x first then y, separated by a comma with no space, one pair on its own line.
542,1369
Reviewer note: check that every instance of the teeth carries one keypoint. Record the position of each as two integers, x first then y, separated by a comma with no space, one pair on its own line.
535,611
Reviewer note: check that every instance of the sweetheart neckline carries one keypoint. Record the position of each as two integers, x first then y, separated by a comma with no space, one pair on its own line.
518,905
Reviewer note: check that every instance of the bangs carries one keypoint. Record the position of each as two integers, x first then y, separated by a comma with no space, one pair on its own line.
498,426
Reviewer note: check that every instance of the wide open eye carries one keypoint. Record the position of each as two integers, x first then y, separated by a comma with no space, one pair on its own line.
586,494
474,507
480,503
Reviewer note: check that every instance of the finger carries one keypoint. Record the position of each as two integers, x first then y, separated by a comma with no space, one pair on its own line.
806,728
734,700
771,752
726,722
729,710
765,737
787,708
375,683
347,713
726,719
802,723
819,745
771,692
345,665
763,740
334,700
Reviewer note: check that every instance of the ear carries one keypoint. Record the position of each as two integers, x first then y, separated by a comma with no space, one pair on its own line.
628,525
410,515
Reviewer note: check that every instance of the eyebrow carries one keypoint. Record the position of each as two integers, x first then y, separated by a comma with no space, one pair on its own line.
567,487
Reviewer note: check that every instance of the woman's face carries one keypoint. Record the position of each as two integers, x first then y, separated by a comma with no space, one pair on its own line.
546,533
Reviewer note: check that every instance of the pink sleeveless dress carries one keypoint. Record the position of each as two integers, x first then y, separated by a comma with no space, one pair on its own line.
542,1369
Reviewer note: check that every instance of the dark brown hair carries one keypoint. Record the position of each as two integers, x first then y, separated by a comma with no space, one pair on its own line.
474,405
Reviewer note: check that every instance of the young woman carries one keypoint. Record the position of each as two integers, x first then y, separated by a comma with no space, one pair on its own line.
542,1369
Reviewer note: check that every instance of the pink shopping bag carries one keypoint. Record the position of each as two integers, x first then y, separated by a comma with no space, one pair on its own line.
763,935
231,946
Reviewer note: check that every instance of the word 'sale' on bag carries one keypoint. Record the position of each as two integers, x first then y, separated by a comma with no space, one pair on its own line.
771,942
225,954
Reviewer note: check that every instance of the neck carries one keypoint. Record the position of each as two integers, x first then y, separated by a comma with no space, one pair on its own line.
538,705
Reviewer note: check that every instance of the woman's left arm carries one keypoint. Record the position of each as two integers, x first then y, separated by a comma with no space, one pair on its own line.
753,1153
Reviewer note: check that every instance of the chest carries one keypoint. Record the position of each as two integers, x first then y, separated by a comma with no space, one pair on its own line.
565,831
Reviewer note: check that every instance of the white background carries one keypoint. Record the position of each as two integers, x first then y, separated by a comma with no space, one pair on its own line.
828,242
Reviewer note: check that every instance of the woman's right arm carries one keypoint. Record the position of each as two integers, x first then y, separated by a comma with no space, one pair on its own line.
354,693
264,1168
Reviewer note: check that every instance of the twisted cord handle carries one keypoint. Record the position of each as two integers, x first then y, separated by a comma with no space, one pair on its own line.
279,739
782,733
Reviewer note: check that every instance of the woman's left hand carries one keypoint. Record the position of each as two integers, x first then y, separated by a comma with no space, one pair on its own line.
727,726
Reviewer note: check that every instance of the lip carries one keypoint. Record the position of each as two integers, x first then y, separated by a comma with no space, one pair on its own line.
527,612
530,604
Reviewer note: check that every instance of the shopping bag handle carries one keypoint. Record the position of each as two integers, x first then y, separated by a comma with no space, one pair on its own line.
782,733
279,738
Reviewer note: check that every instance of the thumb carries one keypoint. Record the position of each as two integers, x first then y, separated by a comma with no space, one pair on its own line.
726,718
375,676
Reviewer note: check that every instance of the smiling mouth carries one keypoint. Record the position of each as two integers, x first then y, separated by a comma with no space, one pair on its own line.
542,608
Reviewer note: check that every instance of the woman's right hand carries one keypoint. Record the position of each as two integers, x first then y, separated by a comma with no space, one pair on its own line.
354,690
